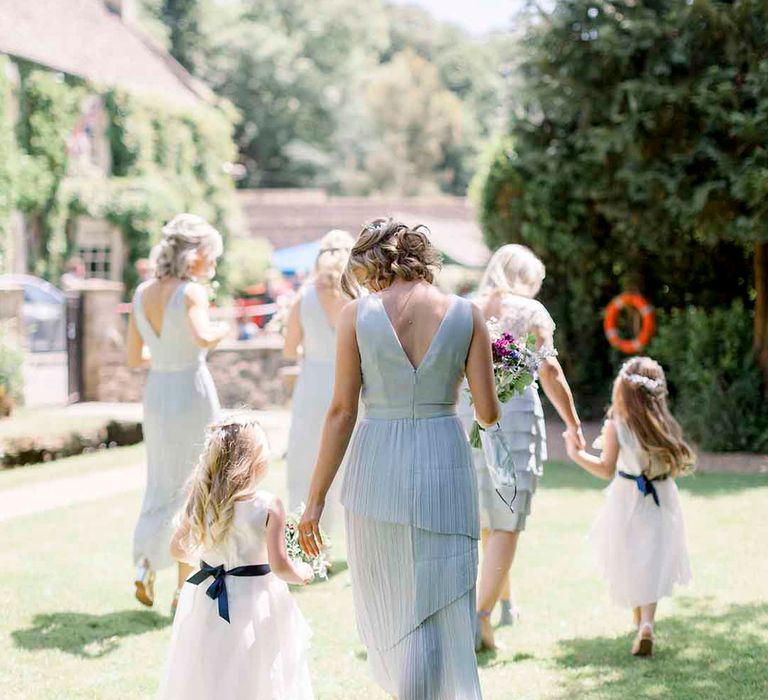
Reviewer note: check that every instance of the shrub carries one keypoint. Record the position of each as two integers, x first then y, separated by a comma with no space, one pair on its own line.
248,260
11,379
715,385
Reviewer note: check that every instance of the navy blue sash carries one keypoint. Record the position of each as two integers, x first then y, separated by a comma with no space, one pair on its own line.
644,484
218,589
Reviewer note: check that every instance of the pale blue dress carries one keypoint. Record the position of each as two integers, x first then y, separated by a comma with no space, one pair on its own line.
412,512
311,399
179,402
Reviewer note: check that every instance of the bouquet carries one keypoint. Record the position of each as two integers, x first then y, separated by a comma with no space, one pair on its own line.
319,564
515,363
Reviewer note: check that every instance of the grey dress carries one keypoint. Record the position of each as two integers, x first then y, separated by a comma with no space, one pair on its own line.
411,511
179,402
522,420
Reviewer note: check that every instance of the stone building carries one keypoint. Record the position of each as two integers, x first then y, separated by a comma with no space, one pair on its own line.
99,43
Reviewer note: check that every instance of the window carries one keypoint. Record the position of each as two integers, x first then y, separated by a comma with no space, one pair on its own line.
97,261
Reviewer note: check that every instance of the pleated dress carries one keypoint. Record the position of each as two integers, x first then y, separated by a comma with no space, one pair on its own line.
522,421
179,402
311,399
412,521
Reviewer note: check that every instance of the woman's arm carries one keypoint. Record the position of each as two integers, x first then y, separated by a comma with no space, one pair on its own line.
337,431
134,346
555,385
479,372
604,466
205,333
279,561
293,332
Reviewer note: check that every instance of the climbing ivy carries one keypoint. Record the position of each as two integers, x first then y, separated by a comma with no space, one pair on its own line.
164,160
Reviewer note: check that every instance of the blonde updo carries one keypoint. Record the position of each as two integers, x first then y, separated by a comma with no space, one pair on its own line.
183,237
387,250
513,268
332,258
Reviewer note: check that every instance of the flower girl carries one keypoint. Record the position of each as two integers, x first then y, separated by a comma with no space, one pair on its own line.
639,536
237,632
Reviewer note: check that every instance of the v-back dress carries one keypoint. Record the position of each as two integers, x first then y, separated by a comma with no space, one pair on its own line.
411,511
261,653
311,399
179,402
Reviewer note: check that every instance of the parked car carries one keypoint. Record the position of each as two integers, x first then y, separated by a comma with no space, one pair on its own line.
44,313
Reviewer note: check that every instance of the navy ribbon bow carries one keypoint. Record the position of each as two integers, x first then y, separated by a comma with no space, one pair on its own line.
218,589
644,485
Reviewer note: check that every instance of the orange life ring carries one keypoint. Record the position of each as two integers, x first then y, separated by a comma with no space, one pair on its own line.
629,346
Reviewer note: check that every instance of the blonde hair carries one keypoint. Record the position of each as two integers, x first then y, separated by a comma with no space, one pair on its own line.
640,400
387,250
513,268
331,261
183,237
234,459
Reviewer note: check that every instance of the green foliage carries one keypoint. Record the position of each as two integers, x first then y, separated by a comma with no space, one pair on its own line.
301,75
635,158
248,262
715,385
165,160
11,362
8,161
182,19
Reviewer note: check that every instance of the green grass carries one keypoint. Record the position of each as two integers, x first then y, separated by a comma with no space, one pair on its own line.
70,466
70,628
31,421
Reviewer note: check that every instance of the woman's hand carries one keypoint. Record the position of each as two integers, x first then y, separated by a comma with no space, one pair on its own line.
575,433
310,539
572,447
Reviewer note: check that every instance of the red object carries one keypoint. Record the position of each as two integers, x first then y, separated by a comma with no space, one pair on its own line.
629,346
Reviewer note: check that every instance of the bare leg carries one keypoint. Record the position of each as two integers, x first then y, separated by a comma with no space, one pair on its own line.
636,617
643,644
499,553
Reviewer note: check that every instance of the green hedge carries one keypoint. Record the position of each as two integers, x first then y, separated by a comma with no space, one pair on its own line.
715,385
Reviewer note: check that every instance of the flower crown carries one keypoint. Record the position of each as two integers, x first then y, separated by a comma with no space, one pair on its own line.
657,387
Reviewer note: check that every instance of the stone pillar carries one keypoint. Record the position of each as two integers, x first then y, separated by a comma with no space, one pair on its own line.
12,309
100,331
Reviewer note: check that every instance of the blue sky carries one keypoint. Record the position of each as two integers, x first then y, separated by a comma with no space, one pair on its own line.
475,15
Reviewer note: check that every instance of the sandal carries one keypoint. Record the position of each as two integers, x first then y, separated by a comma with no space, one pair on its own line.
643,644
145,584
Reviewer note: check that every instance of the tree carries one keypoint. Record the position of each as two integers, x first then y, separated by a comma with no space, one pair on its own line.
416,122
637,159
182,17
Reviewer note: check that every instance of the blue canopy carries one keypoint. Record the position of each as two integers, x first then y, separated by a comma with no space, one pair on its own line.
297,258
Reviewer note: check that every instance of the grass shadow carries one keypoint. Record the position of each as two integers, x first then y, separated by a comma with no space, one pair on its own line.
85,635
701,655
561,475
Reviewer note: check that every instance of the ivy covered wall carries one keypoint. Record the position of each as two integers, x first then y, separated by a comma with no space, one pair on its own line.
164,160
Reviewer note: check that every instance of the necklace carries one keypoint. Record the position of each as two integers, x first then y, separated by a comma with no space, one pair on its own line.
404,305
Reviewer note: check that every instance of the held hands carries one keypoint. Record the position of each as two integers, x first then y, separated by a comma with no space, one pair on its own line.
572,446
573,432
310,540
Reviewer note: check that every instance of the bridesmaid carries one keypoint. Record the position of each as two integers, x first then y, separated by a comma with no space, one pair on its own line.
507,290
311,334
170,332
409,490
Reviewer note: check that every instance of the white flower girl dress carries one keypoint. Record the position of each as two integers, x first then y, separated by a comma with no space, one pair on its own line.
261,653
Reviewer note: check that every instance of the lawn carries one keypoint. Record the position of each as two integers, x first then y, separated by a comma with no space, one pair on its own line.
71,629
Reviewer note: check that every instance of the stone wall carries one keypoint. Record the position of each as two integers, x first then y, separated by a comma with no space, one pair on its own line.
246,374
